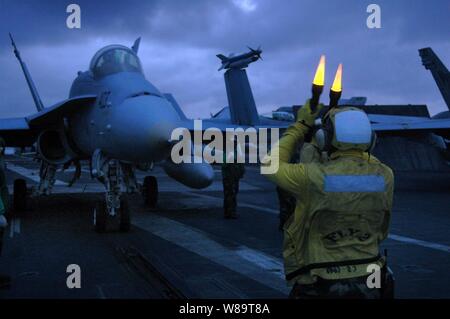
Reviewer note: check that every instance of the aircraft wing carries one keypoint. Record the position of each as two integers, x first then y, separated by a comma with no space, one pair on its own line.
51,114
381,118
434,125
222,57
16,132
21,132
381,123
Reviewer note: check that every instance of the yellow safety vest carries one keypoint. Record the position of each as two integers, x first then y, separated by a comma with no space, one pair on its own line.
342,213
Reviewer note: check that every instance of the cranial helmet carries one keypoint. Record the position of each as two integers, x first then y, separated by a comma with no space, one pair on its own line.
344,129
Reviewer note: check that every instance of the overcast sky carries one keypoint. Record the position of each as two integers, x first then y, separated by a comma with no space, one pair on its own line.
181,38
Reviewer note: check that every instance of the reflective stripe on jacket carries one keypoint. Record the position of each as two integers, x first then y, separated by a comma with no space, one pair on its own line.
342,213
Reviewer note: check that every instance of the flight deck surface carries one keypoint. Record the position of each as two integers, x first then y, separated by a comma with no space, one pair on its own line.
186,240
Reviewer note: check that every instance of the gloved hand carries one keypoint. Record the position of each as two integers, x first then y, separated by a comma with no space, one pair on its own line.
306,116
3,222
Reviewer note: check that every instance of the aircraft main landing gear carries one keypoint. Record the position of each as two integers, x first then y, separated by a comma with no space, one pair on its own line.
47,174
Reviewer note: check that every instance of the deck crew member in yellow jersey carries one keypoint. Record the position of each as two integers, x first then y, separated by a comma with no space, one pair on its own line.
343,206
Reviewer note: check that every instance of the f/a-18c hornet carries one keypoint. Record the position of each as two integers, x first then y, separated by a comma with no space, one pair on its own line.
115,119
118,121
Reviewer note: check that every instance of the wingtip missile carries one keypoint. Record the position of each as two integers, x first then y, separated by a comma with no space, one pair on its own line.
13,43
31,86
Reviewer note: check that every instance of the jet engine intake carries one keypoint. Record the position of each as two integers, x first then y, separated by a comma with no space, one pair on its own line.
51,148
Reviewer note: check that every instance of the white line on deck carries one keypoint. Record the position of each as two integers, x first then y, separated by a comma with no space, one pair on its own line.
29,173
251,263
33,175
419,242
14,227
404,239
240,204
100,291
166,184
72,169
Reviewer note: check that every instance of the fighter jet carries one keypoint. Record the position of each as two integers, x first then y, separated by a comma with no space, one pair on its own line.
441,76
242,108
439,124
240,61
115,119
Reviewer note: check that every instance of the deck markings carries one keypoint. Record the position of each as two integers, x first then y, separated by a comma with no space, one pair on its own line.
419,242
32,174
408,240
251,263
14,227
94,187
166,184
240,203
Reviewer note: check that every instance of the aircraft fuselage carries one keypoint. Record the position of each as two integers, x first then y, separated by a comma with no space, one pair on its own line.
130,120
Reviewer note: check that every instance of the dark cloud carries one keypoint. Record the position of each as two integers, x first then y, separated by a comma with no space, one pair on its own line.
221,23
181,38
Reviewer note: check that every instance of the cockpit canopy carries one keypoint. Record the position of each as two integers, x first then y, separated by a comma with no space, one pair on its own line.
114,59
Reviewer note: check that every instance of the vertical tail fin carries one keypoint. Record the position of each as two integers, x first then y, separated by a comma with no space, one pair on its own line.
440,73
240,98
32,87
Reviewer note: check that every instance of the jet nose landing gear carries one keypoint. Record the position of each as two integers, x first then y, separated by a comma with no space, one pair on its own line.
105,217
114,210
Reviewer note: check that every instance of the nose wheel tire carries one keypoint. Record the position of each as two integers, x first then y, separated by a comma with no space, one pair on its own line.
150,191
20,195
102,218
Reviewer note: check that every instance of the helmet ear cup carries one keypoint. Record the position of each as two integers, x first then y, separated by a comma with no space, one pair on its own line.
324,137
373,142
320,137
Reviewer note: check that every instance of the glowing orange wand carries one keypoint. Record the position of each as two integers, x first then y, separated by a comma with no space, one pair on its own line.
336,88
318,83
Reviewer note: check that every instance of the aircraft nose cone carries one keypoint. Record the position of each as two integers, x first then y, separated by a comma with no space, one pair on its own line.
146,124
158,136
